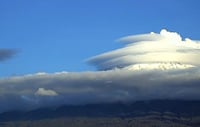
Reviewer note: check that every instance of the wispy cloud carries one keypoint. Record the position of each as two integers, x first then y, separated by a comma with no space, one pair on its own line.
6,54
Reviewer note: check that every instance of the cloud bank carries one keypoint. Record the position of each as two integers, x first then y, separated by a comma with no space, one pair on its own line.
6,54
32,91
135,73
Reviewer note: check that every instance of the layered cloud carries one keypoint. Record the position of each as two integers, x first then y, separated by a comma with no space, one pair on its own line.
6,54
32,91
150,66
165,47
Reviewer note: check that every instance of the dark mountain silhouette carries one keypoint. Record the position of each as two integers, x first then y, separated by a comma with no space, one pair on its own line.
178,108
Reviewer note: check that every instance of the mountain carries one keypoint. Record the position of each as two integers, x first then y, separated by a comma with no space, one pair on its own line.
177,108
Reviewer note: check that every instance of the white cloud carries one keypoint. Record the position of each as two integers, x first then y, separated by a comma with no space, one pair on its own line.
165,47
45,92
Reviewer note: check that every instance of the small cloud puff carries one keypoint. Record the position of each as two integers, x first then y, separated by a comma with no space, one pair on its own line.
45,92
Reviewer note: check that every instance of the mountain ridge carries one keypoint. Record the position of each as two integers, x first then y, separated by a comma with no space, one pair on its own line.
177,108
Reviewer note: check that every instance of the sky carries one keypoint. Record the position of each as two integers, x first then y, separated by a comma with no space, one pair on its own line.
60,35
79,52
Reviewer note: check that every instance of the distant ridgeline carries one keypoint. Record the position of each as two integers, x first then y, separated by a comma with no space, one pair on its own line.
177,108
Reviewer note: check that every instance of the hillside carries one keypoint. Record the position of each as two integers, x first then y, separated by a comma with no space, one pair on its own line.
141,113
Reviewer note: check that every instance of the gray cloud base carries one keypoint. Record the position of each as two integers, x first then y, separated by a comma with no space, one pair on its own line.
95,87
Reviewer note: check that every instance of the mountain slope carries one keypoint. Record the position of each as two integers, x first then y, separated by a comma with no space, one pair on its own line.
176,108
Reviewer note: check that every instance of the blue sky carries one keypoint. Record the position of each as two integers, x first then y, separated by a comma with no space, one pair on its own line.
58,35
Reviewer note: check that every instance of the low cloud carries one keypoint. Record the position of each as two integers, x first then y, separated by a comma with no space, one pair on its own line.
32,91
6,54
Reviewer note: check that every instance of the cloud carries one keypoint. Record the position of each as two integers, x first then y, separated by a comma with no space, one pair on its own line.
6,54
141,76
44,92
32,91
165,47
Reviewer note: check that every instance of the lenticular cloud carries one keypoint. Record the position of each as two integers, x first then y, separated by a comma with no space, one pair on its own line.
164,50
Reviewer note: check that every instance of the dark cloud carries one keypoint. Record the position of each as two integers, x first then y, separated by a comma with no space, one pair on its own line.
32,91
6,54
